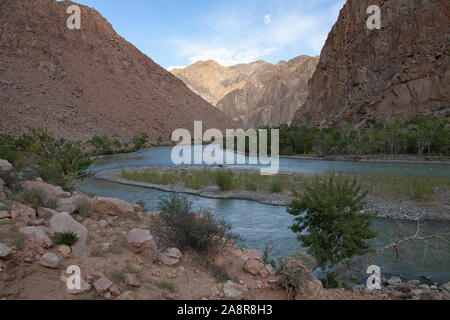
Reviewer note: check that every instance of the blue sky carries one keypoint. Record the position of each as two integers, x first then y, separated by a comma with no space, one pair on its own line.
179,33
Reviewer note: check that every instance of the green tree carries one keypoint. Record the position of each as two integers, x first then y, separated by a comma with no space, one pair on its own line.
328,220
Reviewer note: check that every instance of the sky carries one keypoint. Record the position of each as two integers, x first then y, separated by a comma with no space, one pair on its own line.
179,33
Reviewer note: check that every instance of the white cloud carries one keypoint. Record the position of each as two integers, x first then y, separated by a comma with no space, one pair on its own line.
229,57
235,35
174,67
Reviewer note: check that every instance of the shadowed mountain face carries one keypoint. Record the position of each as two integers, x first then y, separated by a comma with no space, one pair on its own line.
258,93
388,75
80,83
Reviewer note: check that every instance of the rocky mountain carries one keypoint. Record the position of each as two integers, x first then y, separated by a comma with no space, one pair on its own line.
258,93
80,83
394,73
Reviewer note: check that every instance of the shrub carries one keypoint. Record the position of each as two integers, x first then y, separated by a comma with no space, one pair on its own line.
224,179
268,256
182,227
276,186
33,197
66,238
142,204
84,205
328,220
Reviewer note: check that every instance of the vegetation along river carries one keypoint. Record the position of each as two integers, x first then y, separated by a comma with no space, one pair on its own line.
259,223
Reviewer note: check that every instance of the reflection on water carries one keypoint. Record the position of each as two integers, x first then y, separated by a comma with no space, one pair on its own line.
259,223
162,157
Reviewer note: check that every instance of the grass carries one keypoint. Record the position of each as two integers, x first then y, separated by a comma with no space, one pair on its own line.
165,285
15,238
420,189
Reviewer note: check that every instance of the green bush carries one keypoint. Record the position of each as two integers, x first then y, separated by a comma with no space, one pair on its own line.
34,197
224,179
179,225
85,206
328,220
66,238
276,186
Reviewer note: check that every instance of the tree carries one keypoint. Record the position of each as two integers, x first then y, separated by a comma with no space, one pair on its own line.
328,220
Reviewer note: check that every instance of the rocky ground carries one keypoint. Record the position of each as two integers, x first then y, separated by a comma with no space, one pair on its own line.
411,210
120,259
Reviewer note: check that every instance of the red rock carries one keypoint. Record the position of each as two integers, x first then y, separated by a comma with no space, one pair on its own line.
102,285
132,280
49,191
253,266
110,206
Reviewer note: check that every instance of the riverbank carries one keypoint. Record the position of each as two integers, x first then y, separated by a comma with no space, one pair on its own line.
388,208
375,158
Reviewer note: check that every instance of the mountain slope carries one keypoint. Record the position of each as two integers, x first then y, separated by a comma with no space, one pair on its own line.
258,93
389,75
80,83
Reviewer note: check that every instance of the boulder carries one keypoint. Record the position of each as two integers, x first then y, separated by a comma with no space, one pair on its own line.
253,266
70,205
141,241
132,280
445,287
2,190
102,285
113,207
50,260
254,254
46,213
170,257
5,165
4,215
63,222
23,212
233,290
394,280
5,252
50,192
37,235
115,291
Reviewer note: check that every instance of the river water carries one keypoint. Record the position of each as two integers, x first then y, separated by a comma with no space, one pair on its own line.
259,223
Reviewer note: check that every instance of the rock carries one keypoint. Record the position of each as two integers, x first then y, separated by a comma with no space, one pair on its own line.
141,241
445,287
50,260
233,290
270,269
132,280
386,75
253,266
64,250
39,222
254,254
424,287
50,192
433,287
170,257
37,235
416,292
414,282
264,273
103,223
137,208
5,165
23,212
84,288
394,280
127,295
63,222
5,252
102,285
114,291
5,215
46,213
110,206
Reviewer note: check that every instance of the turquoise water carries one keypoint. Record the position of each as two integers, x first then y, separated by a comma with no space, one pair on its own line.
259,223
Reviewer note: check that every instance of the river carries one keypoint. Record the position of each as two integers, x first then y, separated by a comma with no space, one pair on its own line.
259,223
